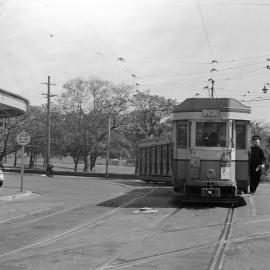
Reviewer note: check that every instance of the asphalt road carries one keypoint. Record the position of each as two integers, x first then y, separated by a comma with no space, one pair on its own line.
80,223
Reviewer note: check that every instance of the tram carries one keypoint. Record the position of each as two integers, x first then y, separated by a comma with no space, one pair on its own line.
207,152
155,159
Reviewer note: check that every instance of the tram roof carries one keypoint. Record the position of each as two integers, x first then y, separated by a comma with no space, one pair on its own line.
222,104
11,104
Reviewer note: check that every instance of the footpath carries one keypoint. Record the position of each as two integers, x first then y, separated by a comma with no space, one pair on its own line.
11,194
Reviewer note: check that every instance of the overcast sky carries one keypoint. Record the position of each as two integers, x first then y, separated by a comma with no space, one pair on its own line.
168,44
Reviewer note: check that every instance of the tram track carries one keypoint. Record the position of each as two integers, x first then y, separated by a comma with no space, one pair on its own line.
221,245
217,259
215,263
76,229
218,256
135,243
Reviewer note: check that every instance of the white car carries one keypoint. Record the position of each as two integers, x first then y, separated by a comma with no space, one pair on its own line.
2,178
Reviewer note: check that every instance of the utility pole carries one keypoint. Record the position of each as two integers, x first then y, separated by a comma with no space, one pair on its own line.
48,118
108,144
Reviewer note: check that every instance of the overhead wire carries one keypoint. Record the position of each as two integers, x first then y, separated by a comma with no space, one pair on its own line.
243,58
183,62
218,79
199,73
197,62
112,51
242,75
205,30
183,74
236,4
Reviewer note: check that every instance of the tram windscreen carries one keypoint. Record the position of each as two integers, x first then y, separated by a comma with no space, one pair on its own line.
211,134
181,134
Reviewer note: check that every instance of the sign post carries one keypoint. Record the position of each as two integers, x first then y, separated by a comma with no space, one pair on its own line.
23,139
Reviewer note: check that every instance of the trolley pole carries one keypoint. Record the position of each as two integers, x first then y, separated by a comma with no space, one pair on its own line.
48,119
212,88
108,144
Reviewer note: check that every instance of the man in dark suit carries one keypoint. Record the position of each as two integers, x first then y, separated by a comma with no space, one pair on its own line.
256,163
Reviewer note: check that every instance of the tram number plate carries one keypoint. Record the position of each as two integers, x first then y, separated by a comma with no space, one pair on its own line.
210,192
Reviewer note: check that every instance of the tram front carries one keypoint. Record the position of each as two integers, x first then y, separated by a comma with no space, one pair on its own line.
211,140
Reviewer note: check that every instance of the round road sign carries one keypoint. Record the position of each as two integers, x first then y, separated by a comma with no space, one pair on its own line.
23,138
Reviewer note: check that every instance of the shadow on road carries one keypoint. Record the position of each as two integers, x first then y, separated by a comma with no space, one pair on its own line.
164,197
161,198
203,203
140,183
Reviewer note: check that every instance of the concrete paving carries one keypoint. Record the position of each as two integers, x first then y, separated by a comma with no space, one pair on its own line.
79,223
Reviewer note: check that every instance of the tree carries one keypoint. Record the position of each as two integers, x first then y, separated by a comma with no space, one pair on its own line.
35,124
261,128
8,136
87,105
151,116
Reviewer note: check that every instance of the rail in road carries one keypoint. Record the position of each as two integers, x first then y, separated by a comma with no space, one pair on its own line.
76,229
220,245
215,262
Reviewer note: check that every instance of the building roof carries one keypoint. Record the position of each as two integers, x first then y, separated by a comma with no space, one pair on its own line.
11,104
222,104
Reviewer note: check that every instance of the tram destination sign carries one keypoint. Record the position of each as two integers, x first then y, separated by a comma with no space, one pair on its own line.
210,113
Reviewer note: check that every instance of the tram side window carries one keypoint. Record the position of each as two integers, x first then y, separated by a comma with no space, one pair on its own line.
241,129
181,134
211,134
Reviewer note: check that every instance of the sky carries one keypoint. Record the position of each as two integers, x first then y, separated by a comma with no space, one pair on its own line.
173,47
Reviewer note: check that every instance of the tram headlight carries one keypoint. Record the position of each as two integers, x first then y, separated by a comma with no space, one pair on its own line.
210,174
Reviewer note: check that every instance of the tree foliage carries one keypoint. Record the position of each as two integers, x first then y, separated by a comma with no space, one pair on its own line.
87,106
80,122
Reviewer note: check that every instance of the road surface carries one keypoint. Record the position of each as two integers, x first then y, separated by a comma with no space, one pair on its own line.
91,223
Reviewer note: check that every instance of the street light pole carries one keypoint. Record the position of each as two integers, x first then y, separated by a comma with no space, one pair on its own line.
108,144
